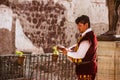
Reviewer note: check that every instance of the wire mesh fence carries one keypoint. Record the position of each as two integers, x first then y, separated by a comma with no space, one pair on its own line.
36,67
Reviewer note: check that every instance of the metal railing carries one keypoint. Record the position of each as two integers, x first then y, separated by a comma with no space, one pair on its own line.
36,67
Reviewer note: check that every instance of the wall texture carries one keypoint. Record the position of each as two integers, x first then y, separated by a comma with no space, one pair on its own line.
45,23
7,40
108,60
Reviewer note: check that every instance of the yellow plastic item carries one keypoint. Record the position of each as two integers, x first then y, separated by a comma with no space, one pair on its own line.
19,53
55,51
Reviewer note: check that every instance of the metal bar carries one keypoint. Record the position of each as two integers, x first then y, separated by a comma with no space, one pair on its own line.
51,68
37,66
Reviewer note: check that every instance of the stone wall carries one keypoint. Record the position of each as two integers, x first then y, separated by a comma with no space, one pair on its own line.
108,60
43,23
50,22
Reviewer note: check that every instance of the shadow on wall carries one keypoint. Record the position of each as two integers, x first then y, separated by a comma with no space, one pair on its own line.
6,45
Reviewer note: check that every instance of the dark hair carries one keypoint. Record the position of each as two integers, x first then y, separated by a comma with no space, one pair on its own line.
83,19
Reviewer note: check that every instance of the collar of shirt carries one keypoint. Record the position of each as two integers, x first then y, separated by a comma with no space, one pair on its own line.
88,30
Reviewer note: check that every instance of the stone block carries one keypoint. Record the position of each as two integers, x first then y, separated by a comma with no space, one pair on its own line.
108,60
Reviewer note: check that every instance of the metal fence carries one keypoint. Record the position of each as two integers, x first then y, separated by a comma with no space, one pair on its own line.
36,67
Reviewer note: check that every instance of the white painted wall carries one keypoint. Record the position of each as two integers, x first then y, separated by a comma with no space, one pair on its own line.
95,9
5,17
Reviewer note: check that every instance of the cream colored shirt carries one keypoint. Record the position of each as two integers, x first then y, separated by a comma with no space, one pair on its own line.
83,48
